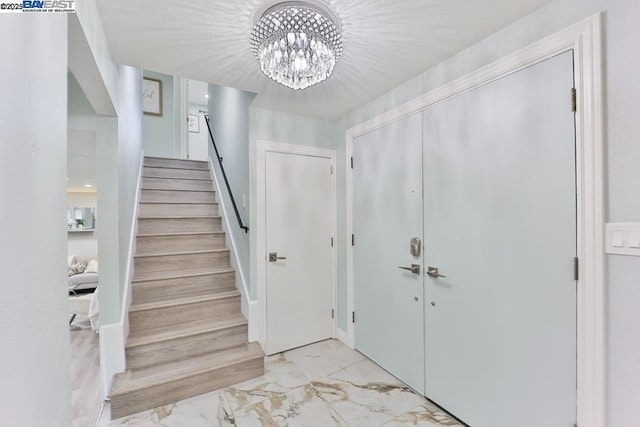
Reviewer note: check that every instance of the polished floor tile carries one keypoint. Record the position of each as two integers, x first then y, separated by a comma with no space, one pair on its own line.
322,384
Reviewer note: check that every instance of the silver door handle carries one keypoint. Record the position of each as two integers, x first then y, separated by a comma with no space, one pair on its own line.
273,257
433,272
415,268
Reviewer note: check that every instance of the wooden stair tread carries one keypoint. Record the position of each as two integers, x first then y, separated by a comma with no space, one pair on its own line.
180,217
172,163
176,178
173,202
196,327
177,203
182,233
140,379
148,277
191,252
195,297
173,158
177,190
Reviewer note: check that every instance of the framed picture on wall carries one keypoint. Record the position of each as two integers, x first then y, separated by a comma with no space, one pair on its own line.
194,123
152,96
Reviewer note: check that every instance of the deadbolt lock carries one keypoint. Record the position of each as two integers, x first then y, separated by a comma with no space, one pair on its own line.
415,246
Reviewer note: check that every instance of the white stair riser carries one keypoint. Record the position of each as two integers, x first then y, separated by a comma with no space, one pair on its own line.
176,263
168,288
169,196
175,163
184,347
181,243
178,225
157,318
162,394
176,184
159,210
175,173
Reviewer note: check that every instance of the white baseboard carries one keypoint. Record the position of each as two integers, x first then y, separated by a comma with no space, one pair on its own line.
344,338
112,359
254,322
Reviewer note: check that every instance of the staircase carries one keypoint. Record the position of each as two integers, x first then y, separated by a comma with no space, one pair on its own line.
187,335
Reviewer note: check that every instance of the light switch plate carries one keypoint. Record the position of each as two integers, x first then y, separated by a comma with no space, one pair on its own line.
622,238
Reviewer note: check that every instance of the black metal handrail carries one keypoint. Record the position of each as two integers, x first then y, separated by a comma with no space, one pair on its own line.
224,175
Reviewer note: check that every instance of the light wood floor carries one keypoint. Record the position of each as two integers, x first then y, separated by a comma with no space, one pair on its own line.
86,386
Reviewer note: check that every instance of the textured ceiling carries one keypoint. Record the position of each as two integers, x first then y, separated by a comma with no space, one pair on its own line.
386,42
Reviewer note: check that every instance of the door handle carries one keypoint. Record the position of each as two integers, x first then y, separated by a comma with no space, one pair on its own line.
433,272
273,257
415,268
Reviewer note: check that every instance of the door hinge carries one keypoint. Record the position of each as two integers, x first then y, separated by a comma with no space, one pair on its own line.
332,242
353,240
352,162
333,313
331,169
574,100
353,317
576,268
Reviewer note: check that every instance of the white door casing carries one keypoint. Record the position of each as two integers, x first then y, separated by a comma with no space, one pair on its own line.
584,38
306,175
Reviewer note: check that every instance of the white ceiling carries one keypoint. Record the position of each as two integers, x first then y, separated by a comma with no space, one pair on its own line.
386,42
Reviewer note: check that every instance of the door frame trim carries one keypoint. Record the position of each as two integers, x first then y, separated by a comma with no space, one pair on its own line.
585,39
262,148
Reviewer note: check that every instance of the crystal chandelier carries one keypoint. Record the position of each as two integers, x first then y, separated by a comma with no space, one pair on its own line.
297,44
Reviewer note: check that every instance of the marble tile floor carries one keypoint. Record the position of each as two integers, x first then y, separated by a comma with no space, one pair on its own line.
322,384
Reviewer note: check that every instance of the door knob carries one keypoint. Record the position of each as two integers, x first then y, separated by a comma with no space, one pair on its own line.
433,272
415,268
273,257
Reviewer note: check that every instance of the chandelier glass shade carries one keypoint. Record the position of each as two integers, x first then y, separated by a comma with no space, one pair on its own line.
297,44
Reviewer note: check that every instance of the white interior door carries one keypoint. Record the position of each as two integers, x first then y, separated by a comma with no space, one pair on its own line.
387,180
500,224
299,231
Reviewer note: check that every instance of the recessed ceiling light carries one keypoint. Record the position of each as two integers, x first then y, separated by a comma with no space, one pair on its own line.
67,179
206,95
88,185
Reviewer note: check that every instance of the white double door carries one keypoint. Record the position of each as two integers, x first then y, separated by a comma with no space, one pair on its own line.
299,206
487,181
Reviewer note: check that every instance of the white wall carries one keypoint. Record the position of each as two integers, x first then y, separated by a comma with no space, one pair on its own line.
34,361
129,158
622,97
229,119
79,199
159,131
